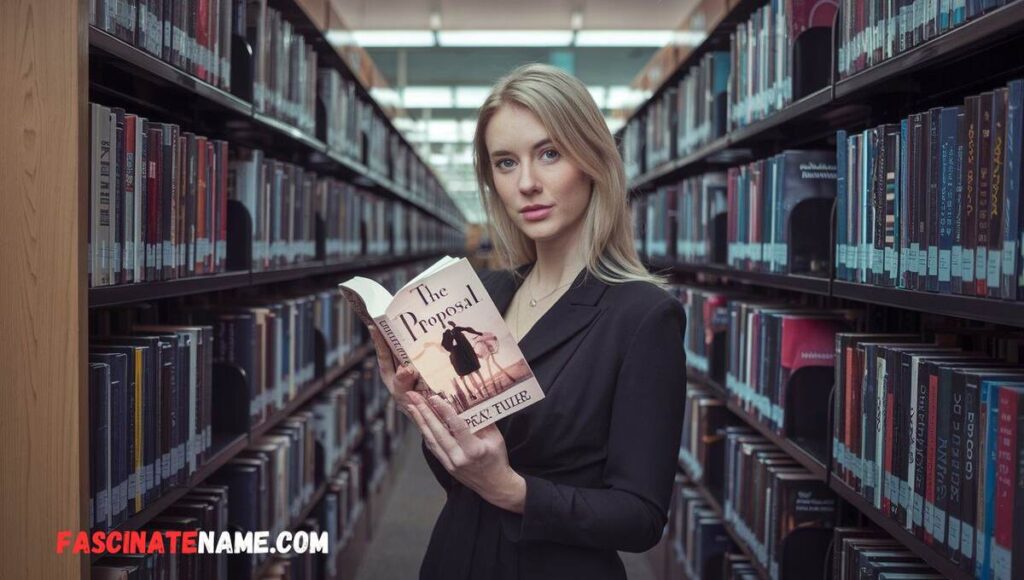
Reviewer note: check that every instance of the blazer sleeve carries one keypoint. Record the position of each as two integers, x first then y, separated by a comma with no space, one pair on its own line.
630,513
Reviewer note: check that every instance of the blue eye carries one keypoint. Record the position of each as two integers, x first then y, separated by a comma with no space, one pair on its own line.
550,155
501,164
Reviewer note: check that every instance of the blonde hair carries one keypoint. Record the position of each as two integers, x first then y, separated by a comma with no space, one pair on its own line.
566,109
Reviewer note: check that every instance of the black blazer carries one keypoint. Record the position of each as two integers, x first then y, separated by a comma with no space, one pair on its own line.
598,453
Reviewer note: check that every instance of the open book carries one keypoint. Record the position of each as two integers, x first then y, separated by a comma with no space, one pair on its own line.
444,323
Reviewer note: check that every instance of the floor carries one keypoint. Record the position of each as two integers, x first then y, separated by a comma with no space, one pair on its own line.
416,499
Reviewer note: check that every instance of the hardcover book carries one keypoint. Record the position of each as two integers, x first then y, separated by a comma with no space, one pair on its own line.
445,325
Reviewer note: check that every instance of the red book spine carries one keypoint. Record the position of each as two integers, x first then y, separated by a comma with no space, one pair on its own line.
202,38
890,401
1006,478
929,485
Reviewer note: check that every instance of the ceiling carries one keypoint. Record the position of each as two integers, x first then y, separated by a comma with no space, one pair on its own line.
602,69
522,14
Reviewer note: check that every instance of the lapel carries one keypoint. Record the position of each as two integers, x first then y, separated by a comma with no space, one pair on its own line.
569,315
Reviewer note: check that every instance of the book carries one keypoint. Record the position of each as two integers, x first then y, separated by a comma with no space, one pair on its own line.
445,325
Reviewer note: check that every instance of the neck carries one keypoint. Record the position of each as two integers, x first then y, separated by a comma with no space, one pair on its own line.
558,260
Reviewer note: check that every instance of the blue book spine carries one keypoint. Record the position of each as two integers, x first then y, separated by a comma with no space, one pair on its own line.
867,216
841,209
903,247
990,394
1012,281
947,192
956,256
959,12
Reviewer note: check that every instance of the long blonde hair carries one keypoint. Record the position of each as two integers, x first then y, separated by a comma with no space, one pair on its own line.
567,110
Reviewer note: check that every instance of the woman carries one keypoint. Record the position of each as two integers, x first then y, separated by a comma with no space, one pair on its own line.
555,490
463,357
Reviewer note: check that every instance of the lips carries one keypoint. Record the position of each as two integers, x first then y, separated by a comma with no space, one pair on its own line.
535,212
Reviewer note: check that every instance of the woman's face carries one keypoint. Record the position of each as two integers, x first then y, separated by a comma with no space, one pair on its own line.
543,191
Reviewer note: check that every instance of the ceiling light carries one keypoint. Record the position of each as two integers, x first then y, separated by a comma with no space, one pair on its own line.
393,38
688,37
511,38
599,95
340,37
427,97
655,38
471,97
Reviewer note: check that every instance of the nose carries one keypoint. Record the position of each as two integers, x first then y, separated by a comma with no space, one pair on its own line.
528,182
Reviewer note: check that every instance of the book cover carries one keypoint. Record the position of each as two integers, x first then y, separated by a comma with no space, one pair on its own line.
444,323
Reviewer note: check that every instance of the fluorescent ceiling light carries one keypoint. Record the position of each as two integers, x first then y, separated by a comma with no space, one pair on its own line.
443,131
386,97
620,96
427,97
340,37
467,129
471,97
656,38
600,96
513,38
393,38
614,124
438,159
688,37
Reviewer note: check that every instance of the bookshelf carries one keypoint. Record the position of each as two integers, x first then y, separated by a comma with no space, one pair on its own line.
967,59
55,63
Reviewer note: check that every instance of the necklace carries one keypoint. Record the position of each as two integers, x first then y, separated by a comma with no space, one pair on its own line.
534,301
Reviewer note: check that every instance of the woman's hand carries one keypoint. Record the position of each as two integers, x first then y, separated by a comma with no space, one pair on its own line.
399,382
478,460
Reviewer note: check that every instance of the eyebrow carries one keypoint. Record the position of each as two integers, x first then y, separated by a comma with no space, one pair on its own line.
537,145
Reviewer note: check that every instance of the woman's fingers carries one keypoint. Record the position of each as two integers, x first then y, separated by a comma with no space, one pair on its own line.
440,431
456,426
429,439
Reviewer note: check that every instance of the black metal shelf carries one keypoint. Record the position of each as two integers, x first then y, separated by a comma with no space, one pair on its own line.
795,282
105,296
938,561
815,466
971,307
143,63
982,32
293,133
128,293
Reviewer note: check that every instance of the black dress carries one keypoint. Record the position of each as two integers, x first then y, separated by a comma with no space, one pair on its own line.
462,355
598,453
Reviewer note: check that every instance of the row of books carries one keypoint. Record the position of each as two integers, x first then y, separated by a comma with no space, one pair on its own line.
933,202
780,361
927,431
778,54
150,416
774,505
284,67
707,328
158,200
701,450
869,553
771,215
696,533
870,33
193,35
204,508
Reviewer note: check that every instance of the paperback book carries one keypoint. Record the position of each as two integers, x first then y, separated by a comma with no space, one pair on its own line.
445,325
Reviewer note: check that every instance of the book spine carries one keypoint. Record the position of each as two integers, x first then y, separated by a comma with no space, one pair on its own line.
984,193
970,199
1005,485
956,256
997,193
970,465
1012,266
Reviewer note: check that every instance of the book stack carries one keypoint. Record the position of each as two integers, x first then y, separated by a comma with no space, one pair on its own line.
701,103
341,331
632,147
871,33
933,203
279,198
284,68
193,35
204,508
739,567
707,329
779,212
157,200
702,451
869,553
780,364
780,53
775,505
401,158
338,100
150,416
927,433
660,127
339,421
697,533
700,219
